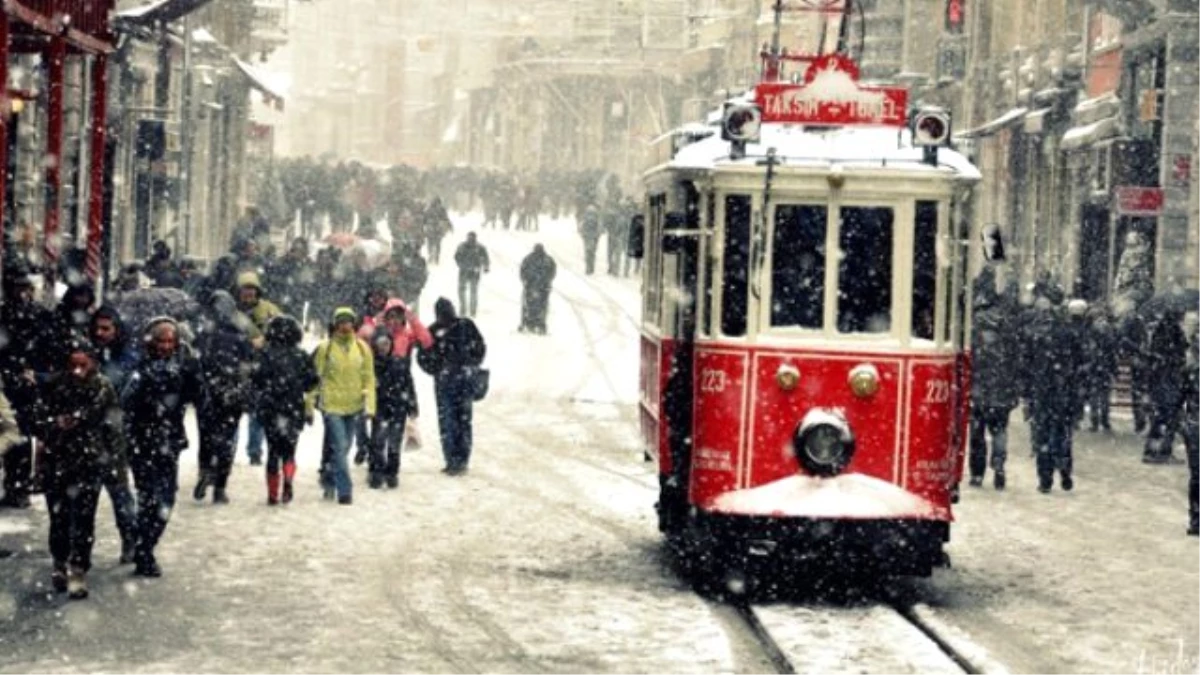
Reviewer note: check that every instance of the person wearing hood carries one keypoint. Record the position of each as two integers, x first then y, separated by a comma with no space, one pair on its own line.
283,377
24,363
250,301
79,401
395,401
73,314
226,358
154,399
345,395
457,352
537,276
116,359
1052,357
406,331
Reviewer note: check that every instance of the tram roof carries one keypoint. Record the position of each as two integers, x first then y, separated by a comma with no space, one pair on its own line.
848,147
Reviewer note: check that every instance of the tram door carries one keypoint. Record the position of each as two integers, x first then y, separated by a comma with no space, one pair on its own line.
680,274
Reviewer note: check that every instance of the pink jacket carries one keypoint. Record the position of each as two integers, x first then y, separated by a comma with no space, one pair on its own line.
403,337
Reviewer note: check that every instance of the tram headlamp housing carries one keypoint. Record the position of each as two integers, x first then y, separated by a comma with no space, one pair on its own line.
823,442
864,380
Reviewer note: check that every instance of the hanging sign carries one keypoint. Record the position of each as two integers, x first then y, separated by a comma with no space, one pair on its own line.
832,96
1138,201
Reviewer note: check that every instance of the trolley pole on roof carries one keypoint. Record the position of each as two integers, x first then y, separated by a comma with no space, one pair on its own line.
843,46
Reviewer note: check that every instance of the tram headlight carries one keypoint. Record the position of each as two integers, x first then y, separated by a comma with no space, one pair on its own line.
823,442
864,380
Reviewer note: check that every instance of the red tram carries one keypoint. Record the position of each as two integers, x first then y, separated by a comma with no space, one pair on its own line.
804,375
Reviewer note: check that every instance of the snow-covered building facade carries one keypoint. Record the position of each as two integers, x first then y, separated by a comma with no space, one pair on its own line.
1082,116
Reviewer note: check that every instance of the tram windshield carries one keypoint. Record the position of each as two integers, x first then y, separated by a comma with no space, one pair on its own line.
865,270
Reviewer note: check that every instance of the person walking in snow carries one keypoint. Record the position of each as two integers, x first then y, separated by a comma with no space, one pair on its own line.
457,352
407,332
164,383
472,260
79,402
226,360
537,276
283,377
994,390
590,230
1166,356
1051,371
116,359
396,400
345,395
1190,427
259,310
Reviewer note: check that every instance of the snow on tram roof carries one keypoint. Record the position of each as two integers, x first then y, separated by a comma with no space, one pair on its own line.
850,147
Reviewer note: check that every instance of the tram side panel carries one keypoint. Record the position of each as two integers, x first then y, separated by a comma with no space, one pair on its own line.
934,432
722,379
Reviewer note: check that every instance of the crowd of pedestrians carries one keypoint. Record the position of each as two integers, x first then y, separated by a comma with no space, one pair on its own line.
1057,359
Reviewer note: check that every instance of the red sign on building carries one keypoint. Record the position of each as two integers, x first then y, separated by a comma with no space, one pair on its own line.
832,96
1138,201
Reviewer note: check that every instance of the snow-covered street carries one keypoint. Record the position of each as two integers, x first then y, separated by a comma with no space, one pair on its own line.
546,556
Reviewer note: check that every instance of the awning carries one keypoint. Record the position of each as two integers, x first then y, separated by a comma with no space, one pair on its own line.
271,94
1089,134
161,11
1011,117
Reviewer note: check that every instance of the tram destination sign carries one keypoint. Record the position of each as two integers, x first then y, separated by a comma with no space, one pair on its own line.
832,96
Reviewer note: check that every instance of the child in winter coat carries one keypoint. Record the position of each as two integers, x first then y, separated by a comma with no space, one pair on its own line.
395,402
79,401
285,373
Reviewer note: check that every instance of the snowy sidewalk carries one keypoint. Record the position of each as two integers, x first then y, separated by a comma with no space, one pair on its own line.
1101,579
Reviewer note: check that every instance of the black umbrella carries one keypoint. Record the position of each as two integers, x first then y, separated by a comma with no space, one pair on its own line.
1176,300
138,307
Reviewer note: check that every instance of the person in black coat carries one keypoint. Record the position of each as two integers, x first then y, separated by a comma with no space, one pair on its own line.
78,403
285,373
1101,368
289,279
472,259
453,361
1052,360
395,402
994,389
1166,355
164,383
537,275
226,358
1190,423
24,363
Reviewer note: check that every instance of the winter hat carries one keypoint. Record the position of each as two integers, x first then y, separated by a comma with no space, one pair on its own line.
284,330
249,279
443,309
344,314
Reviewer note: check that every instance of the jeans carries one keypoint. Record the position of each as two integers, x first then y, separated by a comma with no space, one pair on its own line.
985,420
124,505
71,501
385,447
156,476
255,437
468,293
454,401
339,429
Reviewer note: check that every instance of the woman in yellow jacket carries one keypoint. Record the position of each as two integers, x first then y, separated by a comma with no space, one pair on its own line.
345,394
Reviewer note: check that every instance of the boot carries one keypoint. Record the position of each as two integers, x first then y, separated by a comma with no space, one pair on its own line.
58,578
1193,521
147,566
1068,483
76,583
289,474
998,480
374,481
201,490
272,487
126,552
219,496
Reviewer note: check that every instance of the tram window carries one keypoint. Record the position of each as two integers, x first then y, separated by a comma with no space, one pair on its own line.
709,267
737,265
865,271
798,266
924,290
